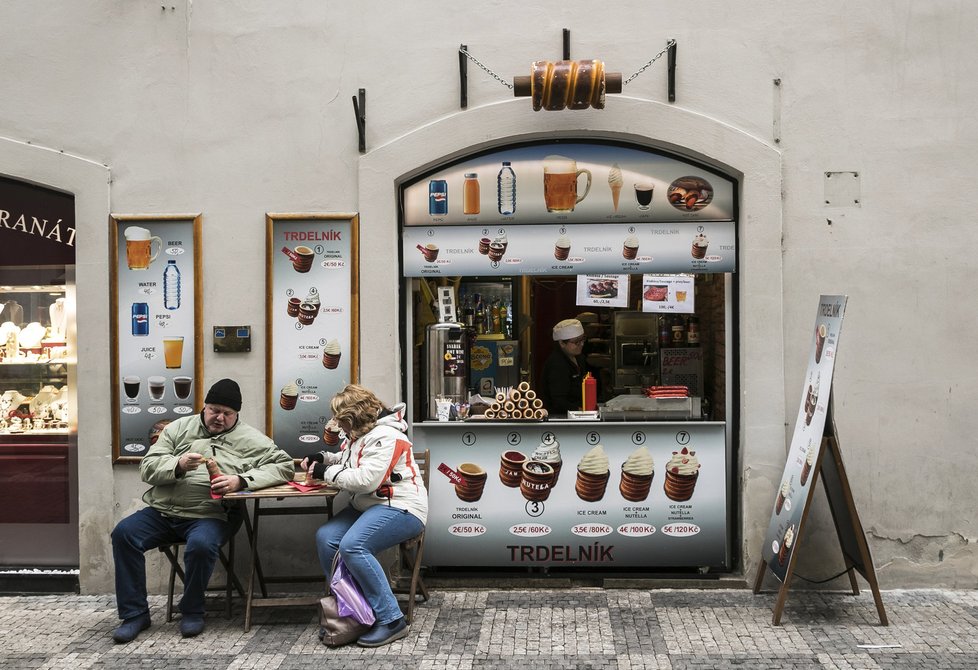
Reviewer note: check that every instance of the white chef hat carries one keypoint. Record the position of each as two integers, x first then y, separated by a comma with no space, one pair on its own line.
568,329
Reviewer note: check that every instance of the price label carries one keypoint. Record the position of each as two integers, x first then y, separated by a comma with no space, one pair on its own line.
157,409
636,530
467,530
529,530
680,529
591,530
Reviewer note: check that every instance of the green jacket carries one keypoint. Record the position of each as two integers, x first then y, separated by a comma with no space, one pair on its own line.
240,451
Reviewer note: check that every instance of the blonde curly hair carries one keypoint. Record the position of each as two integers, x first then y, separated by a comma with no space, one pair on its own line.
357,406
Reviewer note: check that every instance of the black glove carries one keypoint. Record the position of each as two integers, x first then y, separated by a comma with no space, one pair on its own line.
319,469
317,457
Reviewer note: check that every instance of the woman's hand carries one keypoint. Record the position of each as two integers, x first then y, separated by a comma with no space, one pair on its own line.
311,460
315,471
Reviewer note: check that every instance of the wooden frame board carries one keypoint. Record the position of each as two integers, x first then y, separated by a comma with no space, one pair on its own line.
312,315
157,358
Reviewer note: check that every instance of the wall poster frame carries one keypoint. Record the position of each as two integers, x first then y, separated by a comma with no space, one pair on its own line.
155,326
312,316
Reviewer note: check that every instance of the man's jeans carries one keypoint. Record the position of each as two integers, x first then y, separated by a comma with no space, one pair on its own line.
148,529
361,535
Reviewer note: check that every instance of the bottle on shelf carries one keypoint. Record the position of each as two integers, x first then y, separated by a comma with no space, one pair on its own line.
506,190
468,316
478,316
496,317
693,331
171,285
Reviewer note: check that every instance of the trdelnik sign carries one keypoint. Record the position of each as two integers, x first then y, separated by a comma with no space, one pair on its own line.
37,224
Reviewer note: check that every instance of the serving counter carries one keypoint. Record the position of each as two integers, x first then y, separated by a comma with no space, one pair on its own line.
492,504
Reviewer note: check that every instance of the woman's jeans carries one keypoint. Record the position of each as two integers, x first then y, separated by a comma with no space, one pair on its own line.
359,536
148,529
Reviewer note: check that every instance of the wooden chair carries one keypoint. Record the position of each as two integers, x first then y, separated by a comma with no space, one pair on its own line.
412,551
172,553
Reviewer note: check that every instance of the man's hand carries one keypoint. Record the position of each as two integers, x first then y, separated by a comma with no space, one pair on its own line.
190,461
226,484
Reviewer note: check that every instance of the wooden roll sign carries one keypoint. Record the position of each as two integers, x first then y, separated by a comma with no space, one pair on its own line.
567,84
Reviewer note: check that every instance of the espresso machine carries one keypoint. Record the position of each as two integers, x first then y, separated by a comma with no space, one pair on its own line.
446,368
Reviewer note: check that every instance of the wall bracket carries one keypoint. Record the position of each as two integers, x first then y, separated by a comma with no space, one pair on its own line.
360,112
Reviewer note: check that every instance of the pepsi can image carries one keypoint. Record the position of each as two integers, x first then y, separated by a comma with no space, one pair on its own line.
140,318
437,197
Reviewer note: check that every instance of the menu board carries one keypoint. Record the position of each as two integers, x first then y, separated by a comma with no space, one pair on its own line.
600,494
156,321
312,323
668,293
794,489
611,248
569,182
569,208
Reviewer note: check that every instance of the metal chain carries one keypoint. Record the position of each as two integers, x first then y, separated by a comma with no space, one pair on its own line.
649,64
486,68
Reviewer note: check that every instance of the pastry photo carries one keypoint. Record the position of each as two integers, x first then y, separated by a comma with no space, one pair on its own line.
690,194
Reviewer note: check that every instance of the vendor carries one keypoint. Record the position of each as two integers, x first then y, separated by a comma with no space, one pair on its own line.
563,371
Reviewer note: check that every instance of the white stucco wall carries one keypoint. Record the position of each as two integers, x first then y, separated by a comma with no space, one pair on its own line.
234,109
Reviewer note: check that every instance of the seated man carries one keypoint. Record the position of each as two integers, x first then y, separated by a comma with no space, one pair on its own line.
181,507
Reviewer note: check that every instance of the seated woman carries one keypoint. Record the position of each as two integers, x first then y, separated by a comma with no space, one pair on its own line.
389,502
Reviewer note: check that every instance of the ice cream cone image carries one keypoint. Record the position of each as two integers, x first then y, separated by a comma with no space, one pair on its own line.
682,471
289,396
592,475
636,475
782,496
549,453
786,542
331,355
615,181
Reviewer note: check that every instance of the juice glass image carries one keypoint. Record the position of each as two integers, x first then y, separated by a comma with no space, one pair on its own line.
680,296
173,351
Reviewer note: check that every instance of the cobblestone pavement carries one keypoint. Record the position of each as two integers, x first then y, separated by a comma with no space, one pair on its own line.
526,629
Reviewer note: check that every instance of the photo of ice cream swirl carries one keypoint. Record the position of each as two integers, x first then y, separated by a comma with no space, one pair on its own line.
639,462
615,182
594,462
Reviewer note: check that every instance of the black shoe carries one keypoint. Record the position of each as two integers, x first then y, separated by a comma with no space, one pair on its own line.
191,626
130,628
384,633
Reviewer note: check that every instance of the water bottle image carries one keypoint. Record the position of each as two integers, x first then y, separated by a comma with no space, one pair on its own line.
171,285
506,182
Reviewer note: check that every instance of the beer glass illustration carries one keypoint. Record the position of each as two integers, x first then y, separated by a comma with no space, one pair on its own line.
139,248
560,177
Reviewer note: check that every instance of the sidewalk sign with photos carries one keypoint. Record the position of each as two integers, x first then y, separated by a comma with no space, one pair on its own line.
815,454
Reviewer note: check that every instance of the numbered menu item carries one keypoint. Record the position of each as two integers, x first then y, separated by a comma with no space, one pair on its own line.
157,362
310,317
523,507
